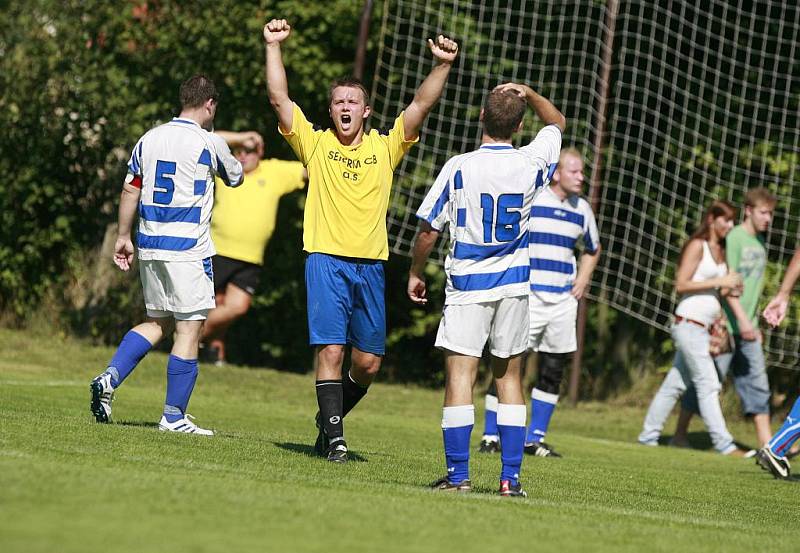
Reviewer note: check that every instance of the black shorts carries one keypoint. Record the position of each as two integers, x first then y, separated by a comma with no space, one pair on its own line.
241,274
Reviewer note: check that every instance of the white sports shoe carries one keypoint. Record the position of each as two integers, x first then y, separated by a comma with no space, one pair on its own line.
184,425
102,396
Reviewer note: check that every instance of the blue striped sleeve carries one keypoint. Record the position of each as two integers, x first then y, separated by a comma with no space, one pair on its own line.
434,206
591,236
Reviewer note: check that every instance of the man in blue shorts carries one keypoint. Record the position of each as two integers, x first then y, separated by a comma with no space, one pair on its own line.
344,229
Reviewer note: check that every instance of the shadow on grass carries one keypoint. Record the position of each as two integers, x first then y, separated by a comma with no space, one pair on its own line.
698,440
793,478
140,424
308,451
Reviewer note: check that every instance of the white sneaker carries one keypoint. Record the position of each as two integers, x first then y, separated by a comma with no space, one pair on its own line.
102,396
184,425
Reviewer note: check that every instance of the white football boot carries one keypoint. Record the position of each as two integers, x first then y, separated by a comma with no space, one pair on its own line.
184,425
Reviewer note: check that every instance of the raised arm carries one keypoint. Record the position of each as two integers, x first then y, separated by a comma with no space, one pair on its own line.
275,32
428,93
423,245
544,108
246,139
776,309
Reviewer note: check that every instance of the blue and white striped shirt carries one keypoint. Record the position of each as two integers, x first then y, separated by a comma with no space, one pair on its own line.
555,226
177,163
485,196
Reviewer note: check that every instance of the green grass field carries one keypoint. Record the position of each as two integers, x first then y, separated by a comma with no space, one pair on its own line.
69,484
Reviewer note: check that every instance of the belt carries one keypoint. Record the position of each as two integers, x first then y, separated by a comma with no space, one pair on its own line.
679,319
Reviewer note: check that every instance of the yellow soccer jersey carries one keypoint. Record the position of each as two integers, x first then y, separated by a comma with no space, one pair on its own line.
244,218
348,188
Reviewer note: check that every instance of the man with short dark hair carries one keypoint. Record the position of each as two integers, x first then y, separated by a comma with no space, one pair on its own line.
485,197
344,227
170,182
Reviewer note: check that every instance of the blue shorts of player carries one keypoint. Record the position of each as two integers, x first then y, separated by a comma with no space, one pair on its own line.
748,368
346,302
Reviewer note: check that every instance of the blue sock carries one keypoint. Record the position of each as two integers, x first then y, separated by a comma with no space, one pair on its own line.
511,424
788,433
457,423
130,351
542,407
181,376
490,417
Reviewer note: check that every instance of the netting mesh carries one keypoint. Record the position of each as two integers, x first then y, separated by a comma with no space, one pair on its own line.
704,101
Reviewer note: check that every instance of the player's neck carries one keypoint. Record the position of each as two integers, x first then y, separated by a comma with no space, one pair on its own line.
748,226
486,139
560,193
197,116
354,140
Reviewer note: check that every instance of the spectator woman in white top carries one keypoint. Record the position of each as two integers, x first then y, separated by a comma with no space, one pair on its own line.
702,277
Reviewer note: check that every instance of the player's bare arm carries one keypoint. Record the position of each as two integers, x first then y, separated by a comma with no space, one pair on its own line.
423,245
444,50
246,139
776,308
275,32
544,108
128,204
586,267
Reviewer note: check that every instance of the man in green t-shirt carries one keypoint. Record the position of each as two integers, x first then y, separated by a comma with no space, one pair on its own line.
745,254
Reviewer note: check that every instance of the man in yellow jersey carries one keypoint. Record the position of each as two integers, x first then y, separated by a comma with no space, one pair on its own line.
344,231
241,228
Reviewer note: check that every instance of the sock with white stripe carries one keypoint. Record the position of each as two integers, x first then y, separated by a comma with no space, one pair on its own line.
457,423
329,400
542,407
352,392
511,426
130,351
788,433
490,419
181,376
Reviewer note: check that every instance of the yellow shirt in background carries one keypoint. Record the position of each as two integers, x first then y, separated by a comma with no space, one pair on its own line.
348,187
243,218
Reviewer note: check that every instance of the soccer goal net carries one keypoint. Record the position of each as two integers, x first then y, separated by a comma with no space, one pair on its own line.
703,101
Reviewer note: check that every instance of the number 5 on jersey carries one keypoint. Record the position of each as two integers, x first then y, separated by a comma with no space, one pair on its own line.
165,186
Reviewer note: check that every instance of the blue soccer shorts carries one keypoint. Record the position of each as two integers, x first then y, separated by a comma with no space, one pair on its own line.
346,302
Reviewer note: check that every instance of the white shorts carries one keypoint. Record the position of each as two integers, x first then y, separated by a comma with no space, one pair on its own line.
553,325
180,289
464,329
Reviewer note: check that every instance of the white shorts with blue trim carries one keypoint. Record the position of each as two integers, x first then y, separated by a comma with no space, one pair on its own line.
553,325
180,289
465,328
